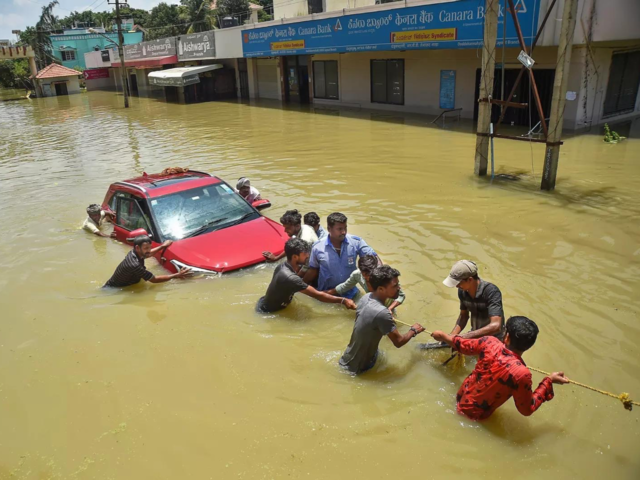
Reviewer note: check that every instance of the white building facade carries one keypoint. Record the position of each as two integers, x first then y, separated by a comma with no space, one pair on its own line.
425,56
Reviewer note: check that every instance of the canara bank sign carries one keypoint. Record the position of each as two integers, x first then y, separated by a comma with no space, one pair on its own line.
437,26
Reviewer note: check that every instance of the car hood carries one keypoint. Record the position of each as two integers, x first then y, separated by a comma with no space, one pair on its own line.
230,248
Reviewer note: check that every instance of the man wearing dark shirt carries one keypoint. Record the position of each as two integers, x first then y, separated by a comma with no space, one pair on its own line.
374,321
286,282
500,372
131,270
483,300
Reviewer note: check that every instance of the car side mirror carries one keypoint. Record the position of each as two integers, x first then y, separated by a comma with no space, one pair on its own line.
136,233
261,204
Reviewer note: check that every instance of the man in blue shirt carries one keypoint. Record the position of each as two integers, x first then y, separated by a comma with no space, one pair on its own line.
334,257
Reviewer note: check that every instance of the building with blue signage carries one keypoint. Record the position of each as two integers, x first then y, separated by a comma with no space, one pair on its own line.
71,46
424,56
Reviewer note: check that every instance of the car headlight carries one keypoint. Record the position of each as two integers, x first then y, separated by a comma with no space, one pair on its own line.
203,271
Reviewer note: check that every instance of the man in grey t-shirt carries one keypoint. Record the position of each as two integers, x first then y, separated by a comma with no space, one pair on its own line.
374,321
286,282
482,300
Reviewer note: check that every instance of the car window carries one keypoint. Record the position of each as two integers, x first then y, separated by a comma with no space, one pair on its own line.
113,203
211,207
129,214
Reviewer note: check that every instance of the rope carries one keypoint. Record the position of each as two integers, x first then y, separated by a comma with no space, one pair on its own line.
623,397
407,325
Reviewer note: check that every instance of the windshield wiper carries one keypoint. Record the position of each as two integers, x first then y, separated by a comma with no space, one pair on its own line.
243,217
204,227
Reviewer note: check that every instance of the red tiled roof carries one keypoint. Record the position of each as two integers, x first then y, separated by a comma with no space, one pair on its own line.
54,71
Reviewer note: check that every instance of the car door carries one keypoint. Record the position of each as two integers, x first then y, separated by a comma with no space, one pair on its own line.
129,216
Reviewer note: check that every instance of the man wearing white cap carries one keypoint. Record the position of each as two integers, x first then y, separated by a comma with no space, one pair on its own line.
481,299
246,191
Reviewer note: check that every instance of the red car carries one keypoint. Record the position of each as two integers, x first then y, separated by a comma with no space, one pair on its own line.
214,230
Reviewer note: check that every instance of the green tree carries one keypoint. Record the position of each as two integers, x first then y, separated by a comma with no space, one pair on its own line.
40,39
14,73
263,16
140,17
165,21
234,8
196,13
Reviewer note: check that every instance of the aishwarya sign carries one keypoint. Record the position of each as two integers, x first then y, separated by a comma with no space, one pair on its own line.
197,46
443,25
163,47
96,73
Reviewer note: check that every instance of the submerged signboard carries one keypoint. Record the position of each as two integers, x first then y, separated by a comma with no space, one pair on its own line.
437,26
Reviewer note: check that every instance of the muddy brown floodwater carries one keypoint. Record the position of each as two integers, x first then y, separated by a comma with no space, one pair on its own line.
185,381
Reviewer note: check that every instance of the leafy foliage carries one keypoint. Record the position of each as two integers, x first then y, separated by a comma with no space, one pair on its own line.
611,136
14,73
196,13
41,41
233,8
165,21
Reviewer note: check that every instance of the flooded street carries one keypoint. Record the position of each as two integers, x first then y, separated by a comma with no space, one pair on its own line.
185,380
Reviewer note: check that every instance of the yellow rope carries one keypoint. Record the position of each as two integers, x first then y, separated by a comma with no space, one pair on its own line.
407,325
623,397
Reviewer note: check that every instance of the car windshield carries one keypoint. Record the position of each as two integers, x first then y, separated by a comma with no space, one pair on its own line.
200,210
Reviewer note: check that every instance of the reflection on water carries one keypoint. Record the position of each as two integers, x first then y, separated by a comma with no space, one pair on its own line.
186,380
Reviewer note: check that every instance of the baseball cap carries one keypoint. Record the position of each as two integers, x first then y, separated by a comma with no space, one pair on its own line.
461,270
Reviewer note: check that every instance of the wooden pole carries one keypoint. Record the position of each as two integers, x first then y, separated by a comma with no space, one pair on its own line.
486,85
559,93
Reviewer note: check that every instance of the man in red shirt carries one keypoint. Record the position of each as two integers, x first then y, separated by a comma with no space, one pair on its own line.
500,372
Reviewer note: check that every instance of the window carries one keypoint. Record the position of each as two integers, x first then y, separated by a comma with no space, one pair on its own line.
315,6
387,81
325,79
624,78
129,215
68,55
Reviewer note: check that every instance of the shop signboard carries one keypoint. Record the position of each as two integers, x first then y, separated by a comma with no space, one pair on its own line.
163,47
96,73
197,46
448,25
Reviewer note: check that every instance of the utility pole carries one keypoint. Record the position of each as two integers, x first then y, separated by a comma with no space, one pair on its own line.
559,95
121,53
486,85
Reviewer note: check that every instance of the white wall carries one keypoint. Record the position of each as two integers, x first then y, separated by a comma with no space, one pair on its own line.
94,60
422,77
611,20
300,8
228,43
49,89
589,77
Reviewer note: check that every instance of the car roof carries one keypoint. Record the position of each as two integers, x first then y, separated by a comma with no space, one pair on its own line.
156,184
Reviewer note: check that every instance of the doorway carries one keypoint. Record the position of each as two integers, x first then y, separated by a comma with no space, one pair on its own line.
61,89
243,77
133,84
296,88
519,116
